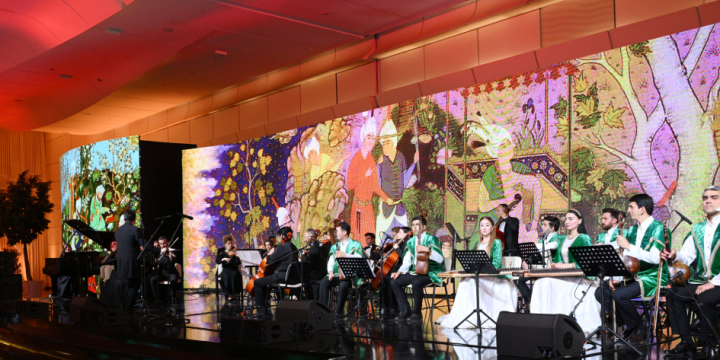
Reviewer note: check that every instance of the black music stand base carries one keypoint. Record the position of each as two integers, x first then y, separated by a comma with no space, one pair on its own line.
356,268
477,311
476,260
603,329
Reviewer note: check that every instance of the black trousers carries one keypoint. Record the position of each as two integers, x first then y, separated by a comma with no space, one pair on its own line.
343,288
231,282
388,296
132,292
173,277
418,283
677,300
624,308
609,299
261,286
522,286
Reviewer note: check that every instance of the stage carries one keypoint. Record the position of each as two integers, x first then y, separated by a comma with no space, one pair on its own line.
49,334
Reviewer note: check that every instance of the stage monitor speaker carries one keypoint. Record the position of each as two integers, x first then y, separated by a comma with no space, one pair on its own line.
85,302
533,336
32,308
102,317
256,331
314,314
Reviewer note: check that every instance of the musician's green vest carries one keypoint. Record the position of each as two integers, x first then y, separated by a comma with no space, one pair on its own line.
580,240
433,243
700,272
613,236
648,274
353,248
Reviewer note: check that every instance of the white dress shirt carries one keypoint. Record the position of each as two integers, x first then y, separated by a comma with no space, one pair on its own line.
652,256
549,245
331,260
688,253
407,260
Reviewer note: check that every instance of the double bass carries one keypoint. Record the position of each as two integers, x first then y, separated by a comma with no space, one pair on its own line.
500,235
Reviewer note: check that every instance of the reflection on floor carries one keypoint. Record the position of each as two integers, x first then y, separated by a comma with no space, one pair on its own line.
53,335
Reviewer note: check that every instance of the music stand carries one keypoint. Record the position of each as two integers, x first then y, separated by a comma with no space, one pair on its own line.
530,254
355,268
601,261
478,262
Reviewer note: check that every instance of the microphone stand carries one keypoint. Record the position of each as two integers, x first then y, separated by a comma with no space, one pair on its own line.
143,301
382,278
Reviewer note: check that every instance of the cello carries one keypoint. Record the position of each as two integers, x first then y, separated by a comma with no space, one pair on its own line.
389,262
263,270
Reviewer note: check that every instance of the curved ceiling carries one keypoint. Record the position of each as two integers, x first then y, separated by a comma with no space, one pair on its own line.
84,66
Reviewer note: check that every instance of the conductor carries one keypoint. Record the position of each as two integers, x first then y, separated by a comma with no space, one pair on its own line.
129,238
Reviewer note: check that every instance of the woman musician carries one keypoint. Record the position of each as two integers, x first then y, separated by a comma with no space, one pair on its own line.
230,276
400,237
497,293
559,295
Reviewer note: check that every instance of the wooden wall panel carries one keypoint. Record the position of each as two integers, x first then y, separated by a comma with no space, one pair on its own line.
510,37
226,122
253,113
284,104
402,69
318,94
451,55
356,83
201,129
572,19
179,133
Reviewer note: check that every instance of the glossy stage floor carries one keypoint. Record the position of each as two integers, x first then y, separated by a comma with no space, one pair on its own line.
51,335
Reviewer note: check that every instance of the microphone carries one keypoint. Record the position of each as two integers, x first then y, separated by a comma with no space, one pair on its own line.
163,217
185,216
683,217
678,274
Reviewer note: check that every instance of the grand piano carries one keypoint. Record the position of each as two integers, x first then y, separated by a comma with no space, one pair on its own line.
79,265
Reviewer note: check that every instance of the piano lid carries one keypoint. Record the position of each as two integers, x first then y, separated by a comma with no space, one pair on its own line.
104,238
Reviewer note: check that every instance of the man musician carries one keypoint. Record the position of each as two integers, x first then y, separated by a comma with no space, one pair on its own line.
129,239
549,226
510,227
166,260
282,256
318,257
344,247
699,252
609,223
422,241
400,236
370,248
643,242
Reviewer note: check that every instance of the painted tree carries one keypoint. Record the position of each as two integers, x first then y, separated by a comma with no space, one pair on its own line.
689,114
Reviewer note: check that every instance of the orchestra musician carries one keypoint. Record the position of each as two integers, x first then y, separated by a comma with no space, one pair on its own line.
317,255
270,244
699,252
166,261
230,278
108,262
345,247
129,238
560,295
400,236
510,226
644,242
370,248
282,256
421,242
609,223
549,226
497,293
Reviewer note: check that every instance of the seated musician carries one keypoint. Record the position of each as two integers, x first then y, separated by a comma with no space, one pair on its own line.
609,223
370,248
345,247
282,256
318,257
497,293
549,226
230,277
108,263
644,243
422,241
269,244
167,271
390,304
699,253
560,295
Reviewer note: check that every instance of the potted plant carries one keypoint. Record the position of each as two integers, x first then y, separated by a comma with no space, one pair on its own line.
23,210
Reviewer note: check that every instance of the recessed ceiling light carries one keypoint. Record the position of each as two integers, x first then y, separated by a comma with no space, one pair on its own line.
167,30
220,52
324,13
113,31
65,76
99,79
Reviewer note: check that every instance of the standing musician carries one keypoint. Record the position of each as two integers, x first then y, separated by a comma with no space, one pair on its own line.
166,261
370,248
644,242
421,242
400,236
549,226
317,255
560,295
129,238
510,226
497,293
702,240
230,277
609,223
282,256
345,247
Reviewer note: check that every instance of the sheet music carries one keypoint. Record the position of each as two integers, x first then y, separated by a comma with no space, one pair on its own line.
249,257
